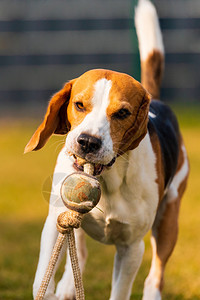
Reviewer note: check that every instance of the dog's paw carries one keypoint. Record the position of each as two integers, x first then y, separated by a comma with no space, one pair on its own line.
65,291
151,292
50,297
65,297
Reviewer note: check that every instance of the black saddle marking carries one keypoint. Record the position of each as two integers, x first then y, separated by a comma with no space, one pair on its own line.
163,121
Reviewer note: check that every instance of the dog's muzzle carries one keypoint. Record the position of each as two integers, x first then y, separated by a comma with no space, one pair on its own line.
89,143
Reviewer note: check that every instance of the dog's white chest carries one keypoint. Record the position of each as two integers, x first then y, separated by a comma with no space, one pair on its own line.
129,198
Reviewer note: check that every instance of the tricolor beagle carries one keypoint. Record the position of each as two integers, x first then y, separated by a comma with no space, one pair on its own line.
139,158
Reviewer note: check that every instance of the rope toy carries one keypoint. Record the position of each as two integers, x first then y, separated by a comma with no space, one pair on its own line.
80,193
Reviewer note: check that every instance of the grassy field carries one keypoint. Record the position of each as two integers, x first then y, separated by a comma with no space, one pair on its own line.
24,206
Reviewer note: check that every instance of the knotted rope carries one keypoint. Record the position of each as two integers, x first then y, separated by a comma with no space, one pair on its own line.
80,193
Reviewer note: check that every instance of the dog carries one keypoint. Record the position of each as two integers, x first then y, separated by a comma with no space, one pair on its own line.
134,142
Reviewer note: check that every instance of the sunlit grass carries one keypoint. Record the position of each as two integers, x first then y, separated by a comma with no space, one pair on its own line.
23,208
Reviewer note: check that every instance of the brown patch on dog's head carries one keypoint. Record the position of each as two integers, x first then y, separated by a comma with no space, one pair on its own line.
127,94
127,110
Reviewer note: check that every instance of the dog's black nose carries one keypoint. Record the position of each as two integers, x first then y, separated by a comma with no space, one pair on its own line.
89,143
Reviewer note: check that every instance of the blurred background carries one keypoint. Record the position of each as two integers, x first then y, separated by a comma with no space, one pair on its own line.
42,45
45,43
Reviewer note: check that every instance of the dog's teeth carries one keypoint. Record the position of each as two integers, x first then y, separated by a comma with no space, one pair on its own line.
81,161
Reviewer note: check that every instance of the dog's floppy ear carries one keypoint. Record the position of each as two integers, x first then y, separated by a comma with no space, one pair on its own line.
55,120
138,129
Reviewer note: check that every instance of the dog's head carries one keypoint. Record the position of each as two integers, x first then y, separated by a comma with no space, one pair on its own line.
105,114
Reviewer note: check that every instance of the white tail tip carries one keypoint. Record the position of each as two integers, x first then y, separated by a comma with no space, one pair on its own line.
148,29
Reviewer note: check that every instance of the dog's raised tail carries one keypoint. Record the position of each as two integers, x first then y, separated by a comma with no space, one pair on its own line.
150,46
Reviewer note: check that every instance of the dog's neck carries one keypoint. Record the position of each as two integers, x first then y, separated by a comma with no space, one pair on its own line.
112,178
122,172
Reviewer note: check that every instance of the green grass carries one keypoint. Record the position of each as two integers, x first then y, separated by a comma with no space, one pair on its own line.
24,206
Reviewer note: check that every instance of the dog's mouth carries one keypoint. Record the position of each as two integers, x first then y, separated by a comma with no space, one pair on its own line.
98,168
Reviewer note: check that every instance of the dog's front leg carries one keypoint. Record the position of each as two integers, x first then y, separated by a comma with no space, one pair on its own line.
48,239
50,233
126,264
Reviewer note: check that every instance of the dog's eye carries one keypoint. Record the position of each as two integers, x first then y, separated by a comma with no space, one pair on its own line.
122,114
79,106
